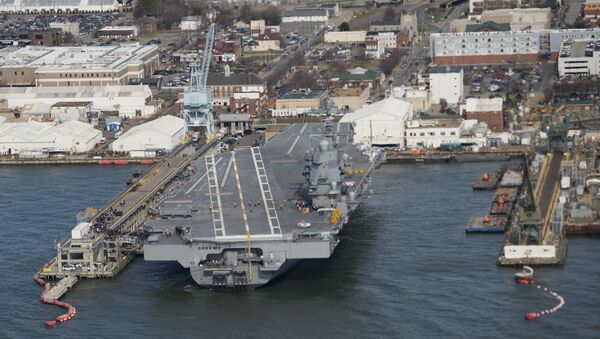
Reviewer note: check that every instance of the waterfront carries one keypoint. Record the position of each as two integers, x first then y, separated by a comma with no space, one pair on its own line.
405,268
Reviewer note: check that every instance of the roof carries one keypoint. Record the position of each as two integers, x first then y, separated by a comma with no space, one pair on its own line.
76,58
75,92
487,26
347,92
304,12
46,132
166,125
445,69
217,79
381,110
357,76
483,104
234,117
72,104
301,94
392,22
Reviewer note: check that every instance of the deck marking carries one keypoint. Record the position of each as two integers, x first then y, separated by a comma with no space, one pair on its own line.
296,140
201,178
227,170
243,207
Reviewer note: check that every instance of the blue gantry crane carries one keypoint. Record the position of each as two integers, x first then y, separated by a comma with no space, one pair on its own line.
197,100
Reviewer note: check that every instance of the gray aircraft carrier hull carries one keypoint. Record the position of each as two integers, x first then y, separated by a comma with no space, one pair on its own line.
243,218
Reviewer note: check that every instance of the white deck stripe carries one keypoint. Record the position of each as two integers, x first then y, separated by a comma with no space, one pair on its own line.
201,178
296,140
227,170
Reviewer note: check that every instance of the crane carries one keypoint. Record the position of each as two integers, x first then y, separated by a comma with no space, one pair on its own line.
197,100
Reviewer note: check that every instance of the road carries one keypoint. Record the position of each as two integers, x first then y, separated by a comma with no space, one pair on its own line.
406,74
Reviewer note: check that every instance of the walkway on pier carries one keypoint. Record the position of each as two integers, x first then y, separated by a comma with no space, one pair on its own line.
547,190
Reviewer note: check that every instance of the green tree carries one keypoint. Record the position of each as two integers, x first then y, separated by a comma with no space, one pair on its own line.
344,27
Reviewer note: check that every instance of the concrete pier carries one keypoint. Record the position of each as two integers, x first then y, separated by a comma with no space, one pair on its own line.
108,241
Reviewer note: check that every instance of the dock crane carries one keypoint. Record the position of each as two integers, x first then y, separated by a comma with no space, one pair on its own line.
197,109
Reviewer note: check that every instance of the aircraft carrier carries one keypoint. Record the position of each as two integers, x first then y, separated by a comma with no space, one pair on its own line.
244,217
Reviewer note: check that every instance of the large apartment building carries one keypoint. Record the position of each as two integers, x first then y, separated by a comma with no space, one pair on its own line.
77,66
472,48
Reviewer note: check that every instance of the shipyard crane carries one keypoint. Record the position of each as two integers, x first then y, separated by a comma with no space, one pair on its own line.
197,100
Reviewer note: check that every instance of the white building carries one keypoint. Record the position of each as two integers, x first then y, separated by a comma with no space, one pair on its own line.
47,137
446,83
346,37
418,96
68,27
144,140
117,32
381,123
388,39
129,101
486,48
579,58
58,6
190,23
77,66
374,47
434,133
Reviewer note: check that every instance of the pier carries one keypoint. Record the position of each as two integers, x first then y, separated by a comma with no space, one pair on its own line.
102,245
76,160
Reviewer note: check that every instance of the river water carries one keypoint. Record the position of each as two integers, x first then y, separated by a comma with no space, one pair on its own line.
404,269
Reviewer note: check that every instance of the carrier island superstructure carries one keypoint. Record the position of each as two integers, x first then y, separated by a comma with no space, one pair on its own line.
248,215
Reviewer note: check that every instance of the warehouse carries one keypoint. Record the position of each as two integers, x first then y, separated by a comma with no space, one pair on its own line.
42,138
129,101
145,140
382,123
77,66
59,6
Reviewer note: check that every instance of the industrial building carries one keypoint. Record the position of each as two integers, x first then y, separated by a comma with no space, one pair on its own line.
579,58
117,32
433,133
478,6
381,123
303,21
37,139
485,48
488,110
128,101
345,37
446,83
58,6
238,93
520,19
296,102
350,98
190,23
77,66
145,140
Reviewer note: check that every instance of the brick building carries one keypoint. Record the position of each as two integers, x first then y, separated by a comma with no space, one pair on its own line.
486,110
238,93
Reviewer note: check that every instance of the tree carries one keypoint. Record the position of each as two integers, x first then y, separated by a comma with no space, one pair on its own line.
303,79
225,17
139,11
389,14
246,13
443,105
344,27
298,58
271,15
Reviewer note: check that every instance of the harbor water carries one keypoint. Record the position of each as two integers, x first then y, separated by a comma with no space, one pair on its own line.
404,269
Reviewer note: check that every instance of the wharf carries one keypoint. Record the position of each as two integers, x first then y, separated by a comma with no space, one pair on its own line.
430,156
112,241
77,160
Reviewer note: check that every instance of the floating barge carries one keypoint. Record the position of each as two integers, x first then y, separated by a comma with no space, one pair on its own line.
486,182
